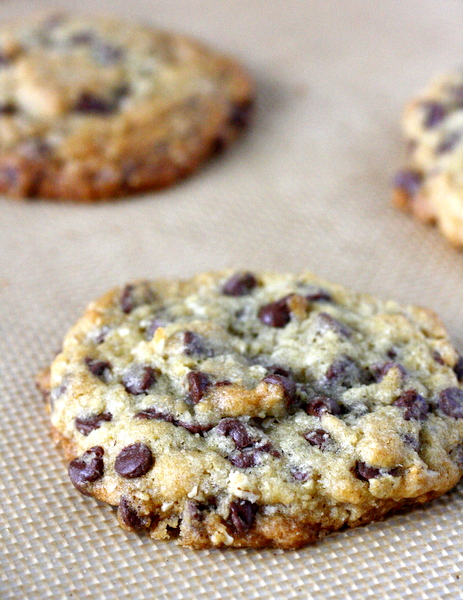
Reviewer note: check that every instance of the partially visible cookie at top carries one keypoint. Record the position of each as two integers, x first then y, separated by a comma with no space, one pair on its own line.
431,182
92,109
256,409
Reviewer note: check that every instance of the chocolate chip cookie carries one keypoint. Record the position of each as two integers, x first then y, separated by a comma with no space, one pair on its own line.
93,109
256,409
431,183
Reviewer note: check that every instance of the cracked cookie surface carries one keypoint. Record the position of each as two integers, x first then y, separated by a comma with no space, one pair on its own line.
93,109
431,184
256,409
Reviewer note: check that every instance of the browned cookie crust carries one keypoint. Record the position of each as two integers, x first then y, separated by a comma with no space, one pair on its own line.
93,109
242,409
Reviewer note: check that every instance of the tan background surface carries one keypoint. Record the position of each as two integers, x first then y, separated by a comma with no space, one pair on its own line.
307,188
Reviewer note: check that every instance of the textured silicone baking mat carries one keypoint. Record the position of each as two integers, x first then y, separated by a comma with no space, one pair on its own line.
307,188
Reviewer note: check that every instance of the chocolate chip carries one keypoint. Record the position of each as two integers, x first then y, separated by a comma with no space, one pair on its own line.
326,322
86,425
411,441
319,438
320,296
244,459
8,108
275,314
138,379
99,368
279,370
153,327
127,299
344,372
458,369
194,427
194,344
285,383
134,461
435,113
82,38
268,448
449,142
242,515
130,517
416,407
240,113
90,104
323,405
134,295
88,468
222,383
237,431
240,284
379,371
366,472
198,384
154,413
101,334
107,54
409,181
437,357
299,474
451,402
391,353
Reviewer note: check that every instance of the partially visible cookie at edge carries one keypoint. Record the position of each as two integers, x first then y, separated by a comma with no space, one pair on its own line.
430,185
256,409
93,109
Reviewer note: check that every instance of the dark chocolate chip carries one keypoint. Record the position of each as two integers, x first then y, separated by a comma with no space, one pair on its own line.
437,357
409,181
88,468
194,344
240,284
130,517
133,296
279,370
268,448
451,402
127,299
86,425
326,322
275,314
8,108
154,413
299,474
99,368
344,372
153,327
243,515
449,142
319,438
134,461
107,54
82,38
288,386
379,371
435,113
138,379
240,113
244,459
198,384
391,353
222,383
322,405
416,407
194,427
320,296
90,104
411,441
237,431
366,472
458,369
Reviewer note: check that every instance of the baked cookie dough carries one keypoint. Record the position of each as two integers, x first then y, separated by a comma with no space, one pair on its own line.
256,409
431,183
94,109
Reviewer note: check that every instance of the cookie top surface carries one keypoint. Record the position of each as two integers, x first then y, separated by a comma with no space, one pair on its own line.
256,409
97,96
431,184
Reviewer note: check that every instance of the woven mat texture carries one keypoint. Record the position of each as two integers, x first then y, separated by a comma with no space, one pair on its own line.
308,187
